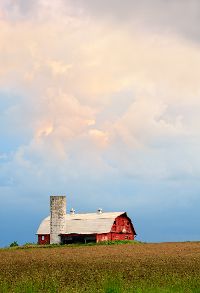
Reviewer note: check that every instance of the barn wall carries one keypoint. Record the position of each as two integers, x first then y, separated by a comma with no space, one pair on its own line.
46,239
114,236
121,230
122,224
122,236
103,237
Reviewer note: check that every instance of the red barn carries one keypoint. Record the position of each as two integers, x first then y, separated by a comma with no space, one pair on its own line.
64,228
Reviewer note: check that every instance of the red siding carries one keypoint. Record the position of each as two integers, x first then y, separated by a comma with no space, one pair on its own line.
103,237
122,229
118,236
44,239
122,224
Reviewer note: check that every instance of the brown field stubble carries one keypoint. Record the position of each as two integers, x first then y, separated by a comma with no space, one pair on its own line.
77,269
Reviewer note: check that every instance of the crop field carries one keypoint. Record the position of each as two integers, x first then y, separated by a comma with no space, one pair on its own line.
165,267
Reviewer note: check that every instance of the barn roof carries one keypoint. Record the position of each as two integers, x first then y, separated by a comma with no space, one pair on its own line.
92,223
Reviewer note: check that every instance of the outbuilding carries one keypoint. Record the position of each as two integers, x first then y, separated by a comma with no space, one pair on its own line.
62,228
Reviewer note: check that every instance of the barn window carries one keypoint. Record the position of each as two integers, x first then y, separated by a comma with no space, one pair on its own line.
126,237
43,237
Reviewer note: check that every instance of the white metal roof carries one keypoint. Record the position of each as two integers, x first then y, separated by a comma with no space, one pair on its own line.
83,223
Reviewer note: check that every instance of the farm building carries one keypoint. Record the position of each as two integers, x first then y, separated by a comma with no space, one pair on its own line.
63,228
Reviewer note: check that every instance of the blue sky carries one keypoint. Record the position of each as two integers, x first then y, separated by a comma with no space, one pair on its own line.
100,101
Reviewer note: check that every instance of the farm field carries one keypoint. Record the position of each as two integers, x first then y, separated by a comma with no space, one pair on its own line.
164,267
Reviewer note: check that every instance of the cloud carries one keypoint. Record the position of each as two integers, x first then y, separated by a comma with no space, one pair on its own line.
58,68
157,16
68,82
99,137
168,17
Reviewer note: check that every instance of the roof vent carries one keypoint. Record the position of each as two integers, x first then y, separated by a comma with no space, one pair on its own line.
99,211
72,211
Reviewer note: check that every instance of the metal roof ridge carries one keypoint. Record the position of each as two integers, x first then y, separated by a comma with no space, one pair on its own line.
95,213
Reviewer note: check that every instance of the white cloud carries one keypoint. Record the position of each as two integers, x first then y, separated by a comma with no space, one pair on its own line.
70,71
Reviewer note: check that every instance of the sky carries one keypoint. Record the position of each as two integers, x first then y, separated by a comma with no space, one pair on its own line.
100,101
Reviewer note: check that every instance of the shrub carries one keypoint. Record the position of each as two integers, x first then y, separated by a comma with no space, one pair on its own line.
14,243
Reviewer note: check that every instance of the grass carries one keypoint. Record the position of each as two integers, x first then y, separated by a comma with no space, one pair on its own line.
109,242
166,267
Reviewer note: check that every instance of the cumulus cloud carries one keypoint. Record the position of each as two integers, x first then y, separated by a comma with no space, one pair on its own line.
69,73
168,17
